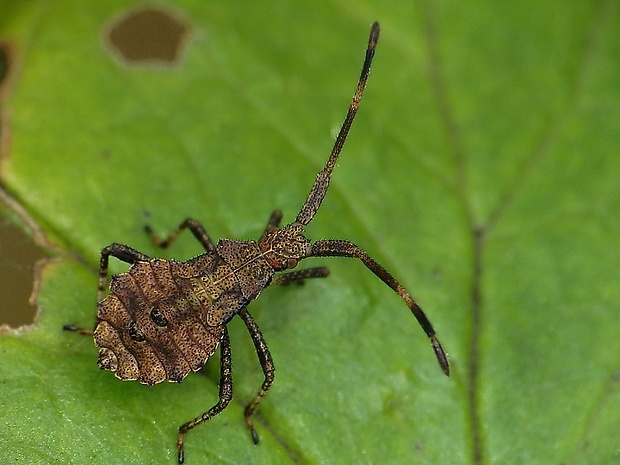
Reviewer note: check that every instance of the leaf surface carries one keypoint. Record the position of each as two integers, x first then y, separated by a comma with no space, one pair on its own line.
482,171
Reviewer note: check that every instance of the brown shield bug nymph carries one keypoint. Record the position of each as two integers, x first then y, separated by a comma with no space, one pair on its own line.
163,318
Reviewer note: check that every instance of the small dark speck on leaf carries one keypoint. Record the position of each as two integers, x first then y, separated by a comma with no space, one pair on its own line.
147,37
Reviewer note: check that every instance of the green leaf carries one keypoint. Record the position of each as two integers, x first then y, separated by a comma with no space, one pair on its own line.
482,171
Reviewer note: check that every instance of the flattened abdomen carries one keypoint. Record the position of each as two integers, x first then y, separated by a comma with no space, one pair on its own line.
152,326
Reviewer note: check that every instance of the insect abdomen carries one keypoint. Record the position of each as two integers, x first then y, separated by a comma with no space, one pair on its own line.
152,326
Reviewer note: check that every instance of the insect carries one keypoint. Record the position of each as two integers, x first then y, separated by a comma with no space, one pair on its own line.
163,318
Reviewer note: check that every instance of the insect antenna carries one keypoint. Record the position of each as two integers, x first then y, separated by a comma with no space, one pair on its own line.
341,248
319,189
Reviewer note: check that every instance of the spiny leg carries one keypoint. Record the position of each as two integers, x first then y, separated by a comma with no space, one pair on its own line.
194,226
341,248
225,395
319,189
299,276
266,363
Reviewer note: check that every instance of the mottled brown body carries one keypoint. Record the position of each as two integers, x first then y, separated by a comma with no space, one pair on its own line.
164,318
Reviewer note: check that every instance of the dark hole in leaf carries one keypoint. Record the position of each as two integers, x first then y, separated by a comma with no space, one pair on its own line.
18,255
148,36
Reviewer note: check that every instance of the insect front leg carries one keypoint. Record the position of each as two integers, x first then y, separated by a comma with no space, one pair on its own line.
225,395
199,232
341,248
299,276
266,363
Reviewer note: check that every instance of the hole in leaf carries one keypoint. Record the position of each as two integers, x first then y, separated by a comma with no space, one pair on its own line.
148,36
18,256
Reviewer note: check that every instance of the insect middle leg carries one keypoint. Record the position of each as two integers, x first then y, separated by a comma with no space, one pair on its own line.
225,395
266,363
199,232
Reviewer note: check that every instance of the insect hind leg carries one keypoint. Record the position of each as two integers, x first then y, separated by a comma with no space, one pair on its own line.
78,330
122,252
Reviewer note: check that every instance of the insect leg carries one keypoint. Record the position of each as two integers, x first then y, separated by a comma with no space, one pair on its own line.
341,248
225,396
124,253
79,330
267,365
274,222
194,226
299,276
